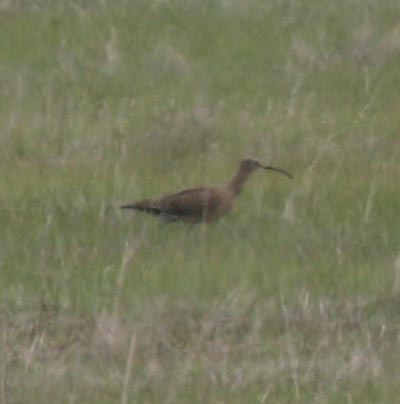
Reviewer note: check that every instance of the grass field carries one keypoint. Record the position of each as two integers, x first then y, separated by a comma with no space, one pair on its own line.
294,297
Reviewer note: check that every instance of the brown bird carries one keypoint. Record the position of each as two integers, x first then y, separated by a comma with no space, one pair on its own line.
202,204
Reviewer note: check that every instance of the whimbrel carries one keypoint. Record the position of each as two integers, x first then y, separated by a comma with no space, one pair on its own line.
202,204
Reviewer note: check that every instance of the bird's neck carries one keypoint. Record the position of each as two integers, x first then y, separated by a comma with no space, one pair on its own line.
237,182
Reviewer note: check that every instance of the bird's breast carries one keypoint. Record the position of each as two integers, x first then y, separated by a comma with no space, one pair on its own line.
217,207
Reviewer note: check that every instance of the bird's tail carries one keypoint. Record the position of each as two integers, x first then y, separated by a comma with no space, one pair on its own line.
143,206
129,206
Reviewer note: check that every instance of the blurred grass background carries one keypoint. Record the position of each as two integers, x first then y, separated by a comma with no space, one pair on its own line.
291,298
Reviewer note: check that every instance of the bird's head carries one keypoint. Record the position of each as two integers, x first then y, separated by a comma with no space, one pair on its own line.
249,164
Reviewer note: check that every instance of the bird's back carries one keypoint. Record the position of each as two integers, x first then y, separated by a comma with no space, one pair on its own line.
194,205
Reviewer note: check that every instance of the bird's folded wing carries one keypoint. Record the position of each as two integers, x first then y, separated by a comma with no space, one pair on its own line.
195,202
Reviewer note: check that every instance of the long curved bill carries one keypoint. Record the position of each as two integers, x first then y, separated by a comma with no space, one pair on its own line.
279,170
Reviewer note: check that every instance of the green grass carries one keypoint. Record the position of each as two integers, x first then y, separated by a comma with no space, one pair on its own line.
293,297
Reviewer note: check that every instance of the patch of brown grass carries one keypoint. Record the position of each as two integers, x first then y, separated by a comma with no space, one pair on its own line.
363,48
240,344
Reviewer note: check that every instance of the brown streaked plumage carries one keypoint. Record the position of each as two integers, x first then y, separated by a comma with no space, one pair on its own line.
202,204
